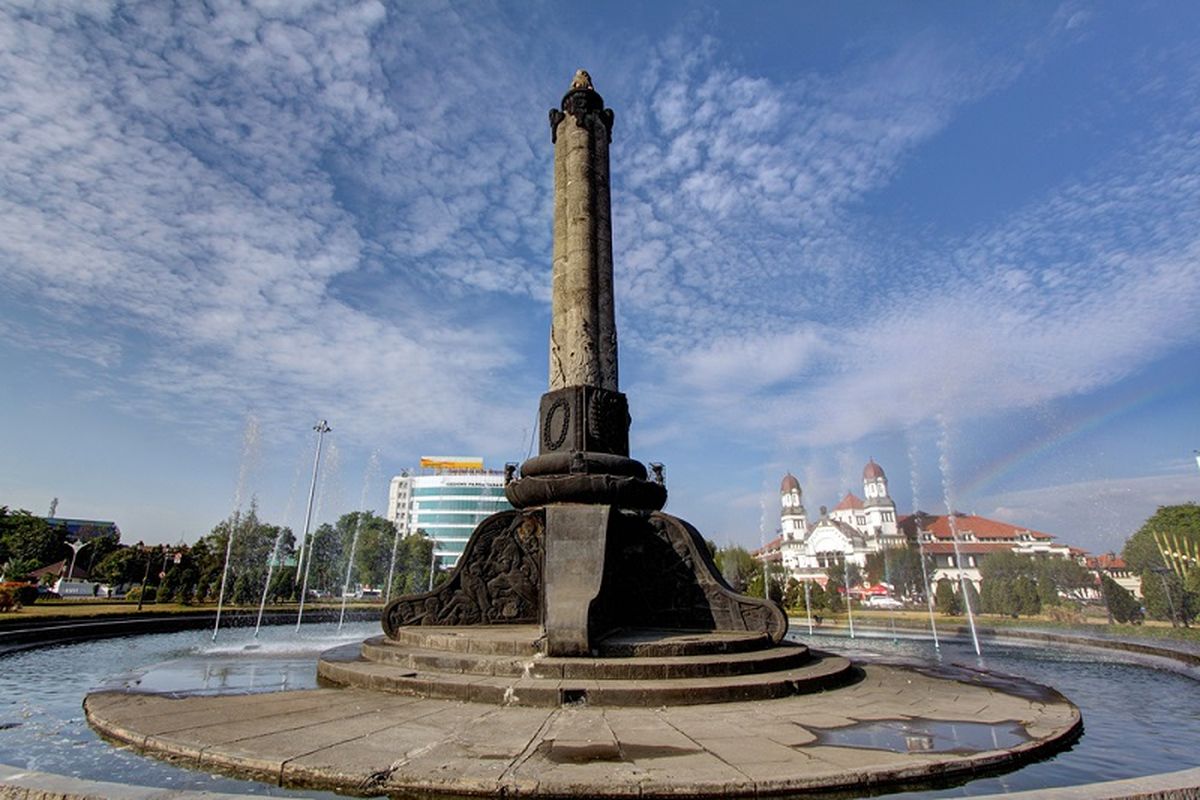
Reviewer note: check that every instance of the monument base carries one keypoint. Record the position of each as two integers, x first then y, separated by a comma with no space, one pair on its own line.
639,570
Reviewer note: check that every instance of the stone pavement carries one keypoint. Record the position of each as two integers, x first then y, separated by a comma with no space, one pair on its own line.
372,742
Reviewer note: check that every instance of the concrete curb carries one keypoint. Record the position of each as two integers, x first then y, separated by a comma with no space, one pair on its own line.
24,784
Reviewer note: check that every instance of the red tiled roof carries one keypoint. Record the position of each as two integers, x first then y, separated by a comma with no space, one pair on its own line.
849,502
771,546
1106,561
966,548
980,527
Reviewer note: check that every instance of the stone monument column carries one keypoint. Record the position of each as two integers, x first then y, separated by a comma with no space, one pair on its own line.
583,452
582,474
583,337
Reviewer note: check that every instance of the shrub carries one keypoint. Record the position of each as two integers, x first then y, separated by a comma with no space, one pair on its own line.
946,600
8,598
1123,606
27,594
135,594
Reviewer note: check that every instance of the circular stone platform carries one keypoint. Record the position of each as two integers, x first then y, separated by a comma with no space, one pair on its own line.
502,664
891,724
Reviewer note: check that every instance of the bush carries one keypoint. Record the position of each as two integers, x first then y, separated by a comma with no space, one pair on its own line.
8,598
1123,606
945,599
27,593
135,594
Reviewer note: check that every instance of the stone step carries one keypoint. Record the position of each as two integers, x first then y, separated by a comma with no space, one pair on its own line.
387,651
526,640
344,666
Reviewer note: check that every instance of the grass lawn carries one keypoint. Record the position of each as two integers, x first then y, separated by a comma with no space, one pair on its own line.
911,619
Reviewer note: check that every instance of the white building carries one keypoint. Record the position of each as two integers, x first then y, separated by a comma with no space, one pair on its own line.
966,539
445,500
856,527
848,533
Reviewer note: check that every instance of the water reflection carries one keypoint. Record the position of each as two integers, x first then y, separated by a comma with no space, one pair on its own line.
925,735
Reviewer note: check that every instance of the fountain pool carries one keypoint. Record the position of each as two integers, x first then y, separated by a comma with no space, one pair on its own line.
42,726
1139,718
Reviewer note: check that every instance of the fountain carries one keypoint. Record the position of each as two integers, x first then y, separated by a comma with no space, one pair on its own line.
585,644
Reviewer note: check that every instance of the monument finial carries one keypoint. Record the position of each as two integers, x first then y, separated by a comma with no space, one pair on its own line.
582,80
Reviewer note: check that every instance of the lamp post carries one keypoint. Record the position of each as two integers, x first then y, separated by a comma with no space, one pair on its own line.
849,602
145,576
305,557
321,428
433,543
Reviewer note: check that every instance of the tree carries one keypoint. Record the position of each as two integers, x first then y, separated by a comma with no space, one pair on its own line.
1123,606
122,567
899,567
972,596
737,566
946,600
179,584
254,544
18,569
841,573
26,537
1063,577
818,598
1025,593
793,594
1167,598
1181,522
413,556
1016,584
775,571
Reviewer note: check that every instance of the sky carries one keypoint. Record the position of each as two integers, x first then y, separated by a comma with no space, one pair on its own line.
962,239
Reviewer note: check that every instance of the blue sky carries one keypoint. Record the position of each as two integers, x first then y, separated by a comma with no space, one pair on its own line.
960,238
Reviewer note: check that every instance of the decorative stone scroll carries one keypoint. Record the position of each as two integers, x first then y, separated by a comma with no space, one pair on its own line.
498,579
658,573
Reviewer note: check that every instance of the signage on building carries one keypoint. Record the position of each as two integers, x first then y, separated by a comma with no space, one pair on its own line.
451,462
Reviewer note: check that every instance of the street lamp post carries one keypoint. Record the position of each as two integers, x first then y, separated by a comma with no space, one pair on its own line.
145,576
432,560
305,558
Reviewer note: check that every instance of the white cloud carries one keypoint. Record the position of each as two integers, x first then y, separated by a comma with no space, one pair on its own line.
1097,515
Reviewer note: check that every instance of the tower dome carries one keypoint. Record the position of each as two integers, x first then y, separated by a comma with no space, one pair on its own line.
789,484
872,471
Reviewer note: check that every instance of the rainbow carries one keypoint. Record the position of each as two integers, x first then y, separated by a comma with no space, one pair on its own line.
1008,464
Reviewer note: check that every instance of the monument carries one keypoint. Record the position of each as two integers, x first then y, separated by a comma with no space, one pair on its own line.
588,551
585,644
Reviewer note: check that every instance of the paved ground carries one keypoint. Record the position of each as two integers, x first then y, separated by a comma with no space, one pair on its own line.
372,742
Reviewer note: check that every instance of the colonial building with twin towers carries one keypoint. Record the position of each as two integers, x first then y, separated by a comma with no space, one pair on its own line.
846,533
858,526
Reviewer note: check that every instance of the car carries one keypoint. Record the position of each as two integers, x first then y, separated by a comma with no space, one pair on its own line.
882,601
